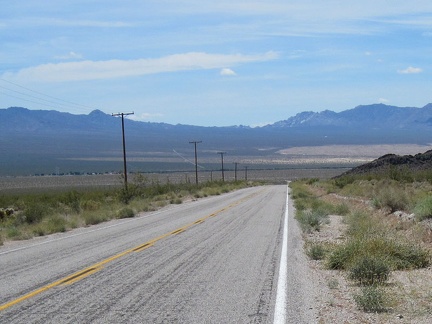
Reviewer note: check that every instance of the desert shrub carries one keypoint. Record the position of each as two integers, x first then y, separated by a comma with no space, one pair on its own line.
361,225
423,208
344,180
311,220
34,212
392,197
56,224
316,251
71,199
369,270
408,256
372,299
125,195
125,212
398,256
90,204
312,181
176,201
341,209
342,256
398,173
93,218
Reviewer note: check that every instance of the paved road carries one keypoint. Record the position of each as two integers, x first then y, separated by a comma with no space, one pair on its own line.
215,260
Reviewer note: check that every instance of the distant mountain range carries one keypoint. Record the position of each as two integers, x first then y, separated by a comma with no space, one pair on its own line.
378,116
39,141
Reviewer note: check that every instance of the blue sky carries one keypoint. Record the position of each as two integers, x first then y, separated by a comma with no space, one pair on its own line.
214,63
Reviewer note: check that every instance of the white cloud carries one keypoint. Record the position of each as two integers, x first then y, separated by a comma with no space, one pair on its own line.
145,116
91,70
227,72
410,70
69,56
383,100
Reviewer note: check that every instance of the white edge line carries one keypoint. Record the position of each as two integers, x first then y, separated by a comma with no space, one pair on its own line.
281,293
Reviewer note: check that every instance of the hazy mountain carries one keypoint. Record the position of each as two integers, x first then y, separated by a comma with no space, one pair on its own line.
39,141
377,116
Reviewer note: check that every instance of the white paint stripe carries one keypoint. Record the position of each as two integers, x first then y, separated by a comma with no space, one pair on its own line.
281,293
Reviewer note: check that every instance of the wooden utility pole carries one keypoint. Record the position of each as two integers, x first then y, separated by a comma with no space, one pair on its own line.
124,145
222,154
196,159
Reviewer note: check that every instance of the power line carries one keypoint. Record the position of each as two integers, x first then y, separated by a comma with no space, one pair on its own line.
57,102
28,100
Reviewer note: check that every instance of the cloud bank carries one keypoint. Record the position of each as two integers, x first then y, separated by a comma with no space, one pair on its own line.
92,70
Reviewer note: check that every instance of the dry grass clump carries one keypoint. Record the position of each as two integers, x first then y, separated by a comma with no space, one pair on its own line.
312,212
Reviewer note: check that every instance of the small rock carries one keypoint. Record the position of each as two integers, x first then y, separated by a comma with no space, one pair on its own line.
400,316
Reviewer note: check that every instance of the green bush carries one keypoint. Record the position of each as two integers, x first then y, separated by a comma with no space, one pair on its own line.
423,208
176,201
398,256
395,198
34,212
344,180
316,251
369,270
71,199
311,220
90,204
125,213
342,209
93,218
372,299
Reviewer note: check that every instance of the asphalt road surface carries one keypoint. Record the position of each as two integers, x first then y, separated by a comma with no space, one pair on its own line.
215,260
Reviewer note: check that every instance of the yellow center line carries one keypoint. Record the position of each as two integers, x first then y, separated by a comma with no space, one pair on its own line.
98,266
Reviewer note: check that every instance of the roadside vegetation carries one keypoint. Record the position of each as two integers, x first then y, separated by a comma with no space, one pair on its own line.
387,229
23,216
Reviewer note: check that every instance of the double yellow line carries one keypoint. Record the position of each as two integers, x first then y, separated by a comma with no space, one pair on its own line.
96,267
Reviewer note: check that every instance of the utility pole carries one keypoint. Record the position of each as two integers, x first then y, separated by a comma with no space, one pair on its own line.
235,171
196,160
124,145
246,173
222,154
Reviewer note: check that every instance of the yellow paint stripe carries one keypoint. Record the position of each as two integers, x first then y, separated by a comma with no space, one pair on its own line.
142,247
177,231
80,275
96,267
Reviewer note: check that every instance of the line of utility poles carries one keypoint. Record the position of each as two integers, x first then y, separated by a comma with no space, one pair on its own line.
124,145
122,114
196,159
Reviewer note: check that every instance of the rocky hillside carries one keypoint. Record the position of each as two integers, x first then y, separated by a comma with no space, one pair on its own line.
418,162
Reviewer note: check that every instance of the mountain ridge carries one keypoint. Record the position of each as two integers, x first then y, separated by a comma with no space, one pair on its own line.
36,140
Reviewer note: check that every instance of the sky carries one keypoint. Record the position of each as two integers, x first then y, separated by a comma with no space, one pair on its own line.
214,63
